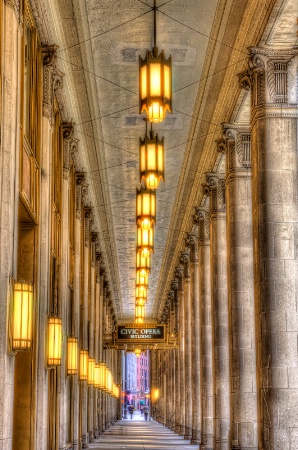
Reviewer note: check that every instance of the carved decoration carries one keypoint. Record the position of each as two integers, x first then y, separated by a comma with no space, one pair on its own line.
174,284
88,222
216,183
49,62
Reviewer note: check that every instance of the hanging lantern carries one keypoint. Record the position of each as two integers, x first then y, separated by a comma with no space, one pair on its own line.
140,314
142,279
141,295
97,376
145,241
110,382
146,208
91,366
54,341
83,374
151,160
143,263
22,312
138,352
72,356
155,82
155,394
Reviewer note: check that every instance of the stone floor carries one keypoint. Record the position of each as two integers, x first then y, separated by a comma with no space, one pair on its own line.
139,434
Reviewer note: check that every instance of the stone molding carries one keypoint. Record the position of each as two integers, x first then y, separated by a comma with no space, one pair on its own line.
16,6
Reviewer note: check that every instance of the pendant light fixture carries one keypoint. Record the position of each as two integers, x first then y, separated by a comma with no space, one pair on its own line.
145,241
145,208
155,82
142,279
142,263
83,373
151,151
141,295
140,315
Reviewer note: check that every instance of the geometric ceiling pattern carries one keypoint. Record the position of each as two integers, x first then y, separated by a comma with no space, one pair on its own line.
99,46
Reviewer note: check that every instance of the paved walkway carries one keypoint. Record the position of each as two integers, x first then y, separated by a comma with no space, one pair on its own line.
138,434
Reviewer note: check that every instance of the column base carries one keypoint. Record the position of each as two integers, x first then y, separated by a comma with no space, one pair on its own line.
187,436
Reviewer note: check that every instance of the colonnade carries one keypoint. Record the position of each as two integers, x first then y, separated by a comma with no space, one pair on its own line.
235,283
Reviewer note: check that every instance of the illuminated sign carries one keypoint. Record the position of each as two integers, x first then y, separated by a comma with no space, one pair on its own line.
136,334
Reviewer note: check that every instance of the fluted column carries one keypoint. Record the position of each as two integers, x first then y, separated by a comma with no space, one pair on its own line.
187,339
179,275
219,312
177,404
195,329
207,337
236,144
272,78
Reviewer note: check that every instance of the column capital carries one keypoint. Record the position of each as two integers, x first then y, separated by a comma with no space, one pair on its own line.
272,77
70,147
192,239
215,188
88,222
238,150
174,284
81,192
202,217
185,258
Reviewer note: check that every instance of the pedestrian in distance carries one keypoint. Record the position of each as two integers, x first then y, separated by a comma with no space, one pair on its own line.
146,412
131,409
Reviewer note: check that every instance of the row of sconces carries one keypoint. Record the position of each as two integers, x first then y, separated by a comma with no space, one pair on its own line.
78,362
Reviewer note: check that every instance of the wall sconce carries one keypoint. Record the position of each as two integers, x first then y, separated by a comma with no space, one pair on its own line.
145,207
83,373
155,394
91,367
72,355
54,341
152,160
102,380
21,316
97,376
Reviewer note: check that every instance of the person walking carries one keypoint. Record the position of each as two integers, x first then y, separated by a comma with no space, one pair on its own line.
131,409
146,412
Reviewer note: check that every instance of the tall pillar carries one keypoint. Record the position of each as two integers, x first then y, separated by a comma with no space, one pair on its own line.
219,312
177,404
179,275
272,78
202,218
195,338
187,340
244,432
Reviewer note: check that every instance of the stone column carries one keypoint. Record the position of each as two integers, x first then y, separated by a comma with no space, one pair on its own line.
195,328
272,78
179,275
219,312
187,339
9,193
65,387
202,218
177,405
244,432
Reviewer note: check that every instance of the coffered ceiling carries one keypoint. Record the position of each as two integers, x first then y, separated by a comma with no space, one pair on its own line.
99,46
